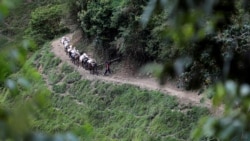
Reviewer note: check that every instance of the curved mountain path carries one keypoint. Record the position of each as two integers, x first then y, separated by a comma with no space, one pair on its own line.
184,97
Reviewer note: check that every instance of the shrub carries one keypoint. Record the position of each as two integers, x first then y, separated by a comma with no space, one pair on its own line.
46,23
55,77
73,77
50,63
48,59
37,56
60,88
79,87
66,69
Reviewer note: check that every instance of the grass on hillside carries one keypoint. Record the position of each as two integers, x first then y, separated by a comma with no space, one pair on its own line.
96,110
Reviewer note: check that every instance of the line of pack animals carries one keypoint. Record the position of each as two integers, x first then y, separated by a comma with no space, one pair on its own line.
78,58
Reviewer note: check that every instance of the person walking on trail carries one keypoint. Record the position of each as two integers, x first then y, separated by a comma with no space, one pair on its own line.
107,68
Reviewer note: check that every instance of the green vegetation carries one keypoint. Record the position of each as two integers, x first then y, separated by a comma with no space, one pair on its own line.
48,60
168,34
101,111
45,23
72,77
118,112
220,50
24,96
66,69
60,88
213,40
19,16
55,77
98,110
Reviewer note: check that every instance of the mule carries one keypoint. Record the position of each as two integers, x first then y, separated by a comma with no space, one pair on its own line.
74,56
92,66
69,51
66,48
83,60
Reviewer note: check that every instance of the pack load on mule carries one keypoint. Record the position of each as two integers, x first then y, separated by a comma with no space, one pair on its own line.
92,66
74,55
68,50
83,60
73,52
65,41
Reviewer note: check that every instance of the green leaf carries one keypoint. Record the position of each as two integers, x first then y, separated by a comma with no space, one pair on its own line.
208,127
219,94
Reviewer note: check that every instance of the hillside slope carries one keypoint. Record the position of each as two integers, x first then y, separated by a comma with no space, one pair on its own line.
184,97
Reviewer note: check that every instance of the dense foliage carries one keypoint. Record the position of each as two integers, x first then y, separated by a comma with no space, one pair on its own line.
226,45
22,92
115,26
125,28
19,13
46,23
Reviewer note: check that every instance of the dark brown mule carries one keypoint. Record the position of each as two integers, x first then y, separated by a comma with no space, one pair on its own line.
74,58
85,63
92,67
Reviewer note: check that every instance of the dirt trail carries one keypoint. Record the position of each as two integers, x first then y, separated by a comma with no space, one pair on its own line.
184,97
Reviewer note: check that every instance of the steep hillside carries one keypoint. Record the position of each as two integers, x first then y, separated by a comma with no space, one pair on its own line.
185,97
106,110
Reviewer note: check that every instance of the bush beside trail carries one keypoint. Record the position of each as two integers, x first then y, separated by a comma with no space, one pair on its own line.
46,23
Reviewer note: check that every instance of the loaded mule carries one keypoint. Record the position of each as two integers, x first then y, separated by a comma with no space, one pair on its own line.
74,56
92,66
83,59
